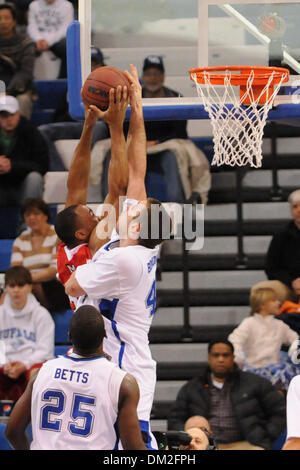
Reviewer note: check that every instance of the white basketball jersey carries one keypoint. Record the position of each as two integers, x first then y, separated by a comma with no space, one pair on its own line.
75,404
121,283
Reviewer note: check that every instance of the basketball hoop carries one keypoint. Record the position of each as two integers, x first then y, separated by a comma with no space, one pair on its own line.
238,121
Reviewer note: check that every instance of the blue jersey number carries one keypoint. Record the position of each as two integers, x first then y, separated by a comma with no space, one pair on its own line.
151,299
56,407
87,416
57,401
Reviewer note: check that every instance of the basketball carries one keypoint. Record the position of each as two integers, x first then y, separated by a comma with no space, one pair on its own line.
96,87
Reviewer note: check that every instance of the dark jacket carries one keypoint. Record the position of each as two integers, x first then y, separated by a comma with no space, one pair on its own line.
163,130
29,153
166,130
17,56
283,256
259,408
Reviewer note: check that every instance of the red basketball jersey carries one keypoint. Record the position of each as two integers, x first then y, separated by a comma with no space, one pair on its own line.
69,260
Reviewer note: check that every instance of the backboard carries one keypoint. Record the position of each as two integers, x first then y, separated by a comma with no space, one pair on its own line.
186,34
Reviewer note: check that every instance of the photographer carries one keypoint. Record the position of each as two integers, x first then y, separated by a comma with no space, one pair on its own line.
200,440
193,439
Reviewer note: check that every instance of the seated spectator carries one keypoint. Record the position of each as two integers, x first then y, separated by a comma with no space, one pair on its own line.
185,169
35,249
244,410
258,339
283,256
17,56
48,21
23,156
27,332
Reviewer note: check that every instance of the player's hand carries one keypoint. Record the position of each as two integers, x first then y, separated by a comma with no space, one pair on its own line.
118,104
135,89
92,115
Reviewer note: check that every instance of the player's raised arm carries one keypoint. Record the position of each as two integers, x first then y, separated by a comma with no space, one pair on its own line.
136,140
79,172
118,167
19,420
128,424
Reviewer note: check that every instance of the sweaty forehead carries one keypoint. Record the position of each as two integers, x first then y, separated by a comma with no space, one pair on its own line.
82,210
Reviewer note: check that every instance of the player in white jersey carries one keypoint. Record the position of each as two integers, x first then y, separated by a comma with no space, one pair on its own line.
120,279
79,402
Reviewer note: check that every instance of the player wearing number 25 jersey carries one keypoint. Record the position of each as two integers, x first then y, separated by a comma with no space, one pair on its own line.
79,402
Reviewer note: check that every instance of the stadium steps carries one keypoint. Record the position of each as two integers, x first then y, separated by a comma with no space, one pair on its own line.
174,334
208,262
256,184
250,227
199,316
203,297
254,247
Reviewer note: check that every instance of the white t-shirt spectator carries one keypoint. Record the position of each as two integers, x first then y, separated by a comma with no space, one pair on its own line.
49,21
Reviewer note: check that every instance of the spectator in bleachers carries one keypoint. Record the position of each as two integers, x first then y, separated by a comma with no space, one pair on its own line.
258,340
48,21
283,257
35,249
26,334
17,56
186,169
23,156
244,410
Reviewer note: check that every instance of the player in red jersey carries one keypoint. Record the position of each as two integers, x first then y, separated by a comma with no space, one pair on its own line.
76,225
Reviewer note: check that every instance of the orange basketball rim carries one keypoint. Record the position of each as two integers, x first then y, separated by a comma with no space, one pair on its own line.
240,76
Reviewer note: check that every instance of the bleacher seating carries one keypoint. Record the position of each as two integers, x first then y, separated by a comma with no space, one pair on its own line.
5,253
9,219
62,321
50,93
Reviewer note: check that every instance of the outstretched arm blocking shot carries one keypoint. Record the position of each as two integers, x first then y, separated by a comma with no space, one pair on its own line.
136,140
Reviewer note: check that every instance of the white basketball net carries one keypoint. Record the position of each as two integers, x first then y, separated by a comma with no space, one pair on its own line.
237,128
